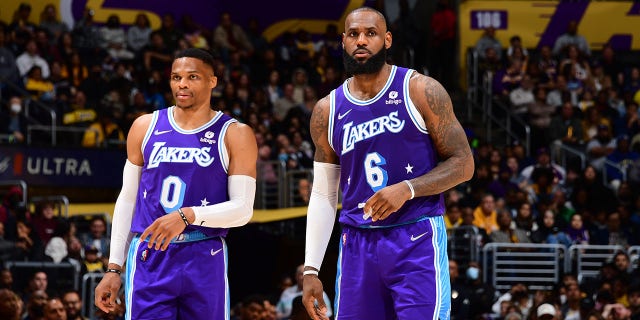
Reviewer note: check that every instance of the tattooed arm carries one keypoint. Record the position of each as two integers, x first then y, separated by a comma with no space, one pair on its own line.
450,141
448,137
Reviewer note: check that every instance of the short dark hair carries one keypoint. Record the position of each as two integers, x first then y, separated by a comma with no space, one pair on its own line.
200,54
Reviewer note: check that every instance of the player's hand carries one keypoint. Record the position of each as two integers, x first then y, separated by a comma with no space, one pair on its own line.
163,230
312,297
107,292
387,201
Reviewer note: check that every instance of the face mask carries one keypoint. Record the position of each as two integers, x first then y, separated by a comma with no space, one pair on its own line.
563,298
473,273
16,108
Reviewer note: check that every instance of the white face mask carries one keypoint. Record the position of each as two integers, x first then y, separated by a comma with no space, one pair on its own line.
16,108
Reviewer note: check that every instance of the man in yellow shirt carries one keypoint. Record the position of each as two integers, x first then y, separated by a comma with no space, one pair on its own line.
485,216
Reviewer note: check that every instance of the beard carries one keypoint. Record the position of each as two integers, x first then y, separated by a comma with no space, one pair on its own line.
370,66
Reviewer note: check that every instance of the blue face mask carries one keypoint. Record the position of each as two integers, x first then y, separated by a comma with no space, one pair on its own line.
473,273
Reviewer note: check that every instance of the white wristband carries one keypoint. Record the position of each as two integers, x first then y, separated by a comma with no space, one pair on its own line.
308,272
413,193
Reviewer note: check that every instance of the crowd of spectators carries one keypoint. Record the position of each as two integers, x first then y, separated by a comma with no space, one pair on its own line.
99,78
573,98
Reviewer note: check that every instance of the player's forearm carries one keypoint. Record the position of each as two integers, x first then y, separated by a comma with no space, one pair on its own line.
446,175
235,212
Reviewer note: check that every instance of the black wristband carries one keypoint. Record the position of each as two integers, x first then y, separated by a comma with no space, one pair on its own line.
184,218
113,271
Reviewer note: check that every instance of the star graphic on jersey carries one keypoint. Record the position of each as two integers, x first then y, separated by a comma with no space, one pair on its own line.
204,202
349,180
409,168
144,194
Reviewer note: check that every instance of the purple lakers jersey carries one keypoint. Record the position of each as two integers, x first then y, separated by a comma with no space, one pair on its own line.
182,168
380,142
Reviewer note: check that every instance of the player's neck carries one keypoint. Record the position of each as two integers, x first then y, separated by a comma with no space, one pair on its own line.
367,86
194,117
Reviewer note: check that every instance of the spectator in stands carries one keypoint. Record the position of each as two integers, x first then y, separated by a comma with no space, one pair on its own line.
507,233
548,68
31,58
44,220
170,34
92,261
73,305
138,34
571,37
37,282
87,38
97,236
614,234
601,146
622,155
616,311
576,66
58,247
74,70
548,311
565,128
95,86
502,185
30,246
50,22
560,93
35,305
105,132
634,301
539,115
543,160
543,186
229,37
10,305
611,65
525,219
114,39
485,215
577,231
157,54
460,293
54,310
482,294
8,68
628,122
571,308
508,79
39,88
6,277
519,296
623,263
491,62
20,26
286,299
453,216
13,122
489,40
522,97
79,112
549,232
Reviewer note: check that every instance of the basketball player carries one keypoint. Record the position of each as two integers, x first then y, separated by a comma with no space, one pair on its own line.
190,175
389,138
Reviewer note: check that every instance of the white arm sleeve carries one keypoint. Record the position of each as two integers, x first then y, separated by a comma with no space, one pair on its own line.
233,213
123,213
321,214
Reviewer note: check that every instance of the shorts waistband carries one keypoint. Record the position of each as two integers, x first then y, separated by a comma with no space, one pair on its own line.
398,224
191,236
